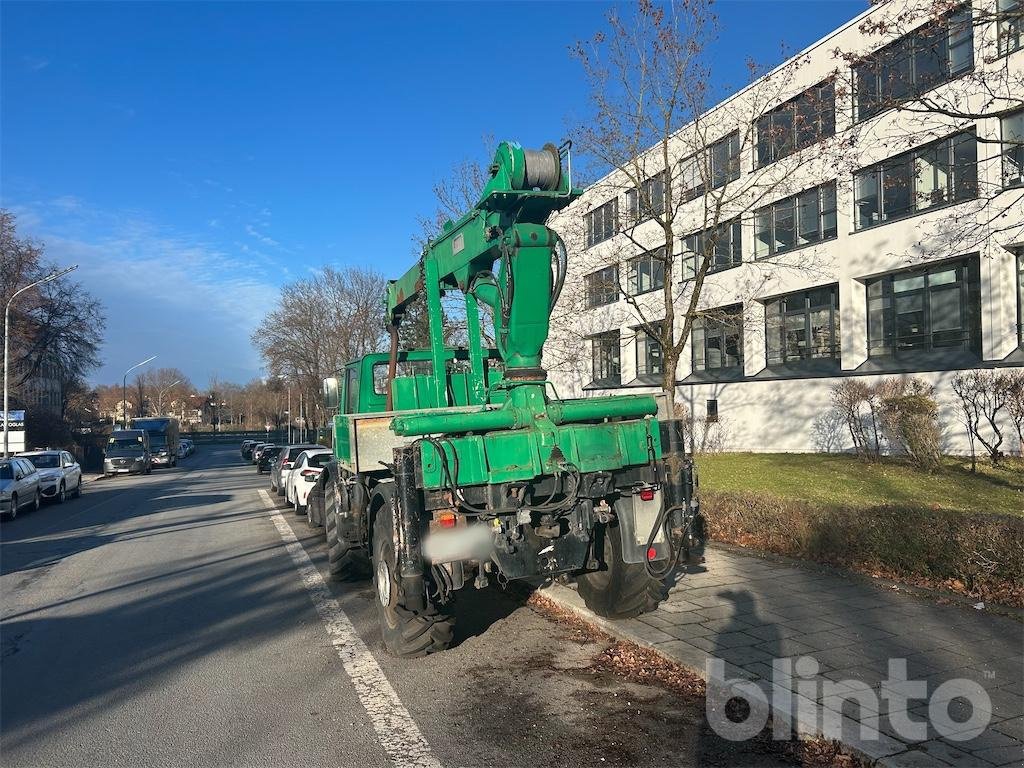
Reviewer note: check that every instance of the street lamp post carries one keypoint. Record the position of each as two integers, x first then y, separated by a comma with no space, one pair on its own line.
160,396
7,333
124,388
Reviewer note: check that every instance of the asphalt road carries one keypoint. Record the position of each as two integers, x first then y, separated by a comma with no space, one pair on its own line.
165,620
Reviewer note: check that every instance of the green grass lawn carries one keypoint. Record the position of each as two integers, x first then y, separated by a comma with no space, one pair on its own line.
849,481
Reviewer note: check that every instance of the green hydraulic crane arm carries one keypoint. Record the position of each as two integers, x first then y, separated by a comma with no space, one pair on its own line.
506,228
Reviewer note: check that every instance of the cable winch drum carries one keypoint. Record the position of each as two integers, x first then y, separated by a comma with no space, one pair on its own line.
543,168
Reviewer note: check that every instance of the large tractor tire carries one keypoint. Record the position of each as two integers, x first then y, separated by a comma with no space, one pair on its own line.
619,590
344,562
407,633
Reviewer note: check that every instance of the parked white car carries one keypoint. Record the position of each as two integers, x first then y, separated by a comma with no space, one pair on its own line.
19,486
305,469
59,474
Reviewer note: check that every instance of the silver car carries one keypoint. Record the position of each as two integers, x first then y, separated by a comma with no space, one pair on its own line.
60,475
19,486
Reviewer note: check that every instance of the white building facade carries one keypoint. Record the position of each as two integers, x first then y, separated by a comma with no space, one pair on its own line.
875,233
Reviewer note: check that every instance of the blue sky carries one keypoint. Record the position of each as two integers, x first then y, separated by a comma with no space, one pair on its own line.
193,157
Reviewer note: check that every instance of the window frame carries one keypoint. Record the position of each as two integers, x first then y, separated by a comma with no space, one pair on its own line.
605,211
721,328
591,295
792,106
951,23
613,358
632,274
706,157
633,199
1015,7
735,245
967,283
1018,180
807,310
645,340
909,161
824,234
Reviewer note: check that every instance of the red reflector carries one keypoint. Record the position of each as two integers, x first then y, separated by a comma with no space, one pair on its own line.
307,472
647,494
446,519
651,553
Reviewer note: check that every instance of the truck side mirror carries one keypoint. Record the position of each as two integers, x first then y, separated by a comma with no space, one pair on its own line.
332,393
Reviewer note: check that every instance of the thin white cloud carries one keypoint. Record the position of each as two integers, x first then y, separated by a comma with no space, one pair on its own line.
35,63
253,232
193,302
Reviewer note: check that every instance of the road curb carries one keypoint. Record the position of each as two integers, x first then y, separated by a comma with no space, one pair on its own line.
870,751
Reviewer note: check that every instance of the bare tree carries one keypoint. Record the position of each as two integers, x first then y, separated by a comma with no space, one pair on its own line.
319,325
983,396
166,386
676,163
58,324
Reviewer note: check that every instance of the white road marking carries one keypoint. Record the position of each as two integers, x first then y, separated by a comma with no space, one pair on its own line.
396,730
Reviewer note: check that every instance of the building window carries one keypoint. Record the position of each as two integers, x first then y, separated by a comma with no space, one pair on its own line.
1011,26
797,124
606,365
1013,149
803,326
1020,297
718,339
942,172
602,222
712,168
712,412
602,287
809,217
938,308
646,272
649,359
722,246
647,201
906,68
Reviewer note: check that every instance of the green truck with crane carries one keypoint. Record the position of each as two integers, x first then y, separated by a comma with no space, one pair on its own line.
459,467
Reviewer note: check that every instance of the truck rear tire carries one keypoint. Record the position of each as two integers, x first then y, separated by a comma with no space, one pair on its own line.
620,590
344,562
407,633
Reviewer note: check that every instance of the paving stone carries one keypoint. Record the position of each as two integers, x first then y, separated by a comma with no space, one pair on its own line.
1002,755
784,648
824,640
677,605
743,655
688,631
724,640
1013,727
950,754
726,625
989,739
773,631
910,759
875,746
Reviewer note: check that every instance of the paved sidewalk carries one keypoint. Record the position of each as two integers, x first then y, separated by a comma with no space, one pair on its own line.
748,611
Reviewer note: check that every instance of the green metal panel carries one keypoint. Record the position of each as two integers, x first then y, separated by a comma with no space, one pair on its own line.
509,455
342,446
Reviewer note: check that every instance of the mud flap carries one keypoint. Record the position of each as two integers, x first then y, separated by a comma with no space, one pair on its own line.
637,518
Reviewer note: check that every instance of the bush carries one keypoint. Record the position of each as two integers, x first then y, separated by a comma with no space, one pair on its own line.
981,554
909,416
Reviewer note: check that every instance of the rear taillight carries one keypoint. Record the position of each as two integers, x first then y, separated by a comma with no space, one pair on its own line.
307,472
646,494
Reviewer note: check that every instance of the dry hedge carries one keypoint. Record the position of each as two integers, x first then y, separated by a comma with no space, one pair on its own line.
980,554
